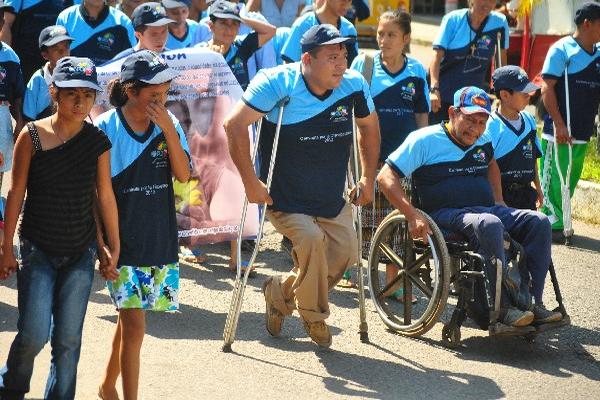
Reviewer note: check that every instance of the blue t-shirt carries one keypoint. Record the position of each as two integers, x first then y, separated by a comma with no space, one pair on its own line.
11,77
314,143
584,86
292,50
143,186
240,51
468,53
281,36
397,98
101,39
516,151
37,102
445,174
175,43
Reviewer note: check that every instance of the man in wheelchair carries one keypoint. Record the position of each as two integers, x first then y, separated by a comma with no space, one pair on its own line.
456,181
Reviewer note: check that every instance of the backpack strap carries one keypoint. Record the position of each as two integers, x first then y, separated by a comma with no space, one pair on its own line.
35,136
367,71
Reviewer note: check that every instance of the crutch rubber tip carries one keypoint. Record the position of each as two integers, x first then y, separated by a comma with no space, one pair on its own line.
568,241
227,348
364,337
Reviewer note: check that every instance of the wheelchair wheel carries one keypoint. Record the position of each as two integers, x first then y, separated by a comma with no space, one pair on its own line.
423,271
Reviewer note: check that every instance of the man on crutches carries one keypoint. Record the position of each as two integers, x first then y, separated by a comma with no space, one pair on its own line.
306,202
571,94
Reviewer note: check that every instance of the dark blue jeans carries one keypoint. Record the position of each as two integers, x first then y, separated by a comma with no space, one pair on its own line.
53,296
485,226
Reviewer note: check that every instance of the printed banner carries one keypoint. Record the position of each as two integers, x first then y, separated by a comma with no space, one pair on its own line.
209,206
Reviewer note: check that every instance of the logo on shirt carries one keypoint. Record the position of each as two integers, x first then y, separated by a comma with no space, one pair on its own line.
160,155
479,156
106,41
339,115
2,74
484,42
409,91
528,149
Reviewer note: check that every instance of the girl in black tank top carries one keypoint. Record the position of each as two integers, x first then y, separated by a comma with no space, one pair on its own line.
63,164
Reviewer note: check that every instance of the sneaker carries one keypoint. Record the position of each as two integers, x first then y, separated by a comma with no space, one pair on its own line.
274,316
516,317
542,315
318,332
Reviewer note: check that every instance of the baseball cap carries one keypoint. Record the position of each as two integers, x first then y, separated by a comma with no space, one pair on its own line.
514,78
320,35
176,3
472,100
225,10
73,72
150,14
3,5
53,34
589,11
148,67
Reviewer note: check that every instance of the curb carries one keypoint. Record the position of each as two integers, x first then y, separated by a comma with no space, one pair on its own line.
585,202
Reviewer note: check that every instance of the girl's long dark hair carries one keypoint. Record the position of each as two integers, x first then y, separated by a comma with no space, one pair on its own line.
117,90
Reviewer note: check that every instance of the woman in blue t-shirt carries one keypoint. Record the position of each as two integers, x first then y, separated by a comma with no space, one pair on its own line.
149,149
398,85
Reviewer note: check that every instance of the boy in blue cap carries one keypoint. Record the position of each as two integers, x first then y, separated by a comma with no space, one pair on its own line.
182,30
579,57
54,44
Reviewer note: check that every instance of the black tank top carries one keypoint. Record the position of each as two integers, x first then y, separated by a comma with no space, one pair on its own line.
58,216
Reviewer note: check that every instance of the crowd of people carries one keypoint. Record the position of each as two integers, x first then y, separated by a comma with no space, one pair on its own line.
104,191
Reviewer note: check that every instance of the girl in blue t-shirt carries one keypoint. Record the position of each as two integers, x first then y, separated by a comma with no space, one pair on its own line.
149,149
398,85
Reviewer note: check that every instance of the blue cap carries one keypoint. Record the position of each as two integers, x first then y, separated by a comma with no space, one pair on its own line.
472,100
225,10
514,78
589,11
320,35
53,34
176,3
148,67
75,72
150,14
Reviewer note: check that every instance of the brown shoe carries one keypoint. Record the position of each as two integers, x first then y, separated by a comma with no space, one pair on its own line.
318,332
274,316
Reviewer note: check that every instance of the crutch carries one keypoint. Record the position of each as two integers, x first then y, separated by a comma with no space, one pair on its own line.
498,48
354,177
240,282
565,181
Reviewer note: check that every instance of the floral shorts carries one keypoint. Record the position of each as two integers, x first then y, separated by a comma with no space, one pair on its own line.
153,288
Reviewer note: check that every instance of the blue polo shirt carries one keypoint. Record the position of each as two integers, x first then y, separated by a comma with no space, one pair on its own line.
445,173
584,86
101,39
516,150
37,102
11,78
175,43
397,98
240,51
292,50
143,186
468,52
315,138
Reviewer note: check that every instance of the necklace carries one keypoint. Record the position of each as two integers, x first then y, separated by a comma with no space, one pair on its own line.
56,132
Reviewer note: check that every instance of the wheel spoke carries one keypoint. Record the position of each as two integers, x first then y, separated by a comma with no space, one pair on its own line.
420,284
389,253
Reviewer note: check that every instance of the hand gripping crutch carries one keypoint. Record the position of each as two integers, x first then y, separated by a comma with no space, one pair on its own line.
240,282
565,181
353,178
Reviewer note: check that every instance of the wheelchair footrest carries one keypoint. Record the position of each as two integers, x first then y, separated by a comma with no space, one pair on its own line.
500,329
553,325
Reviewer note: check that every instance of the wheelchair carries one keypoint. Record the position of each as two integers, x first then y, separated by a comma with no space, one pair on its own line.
427,270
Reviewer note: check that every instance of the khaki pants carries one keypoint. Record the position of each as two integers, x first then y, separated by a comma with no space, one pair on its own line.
323,248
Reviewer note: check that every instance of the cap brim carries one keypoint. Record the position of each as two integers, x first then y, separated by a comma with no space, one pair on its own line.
77,83
57,39
530,87
161,77
160,22
173,4
226,16
474,110
337,40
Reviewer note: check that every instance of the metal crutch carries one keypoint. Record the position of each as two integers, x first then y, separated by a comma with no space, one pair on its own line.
565,181
240,282
498,53
363,328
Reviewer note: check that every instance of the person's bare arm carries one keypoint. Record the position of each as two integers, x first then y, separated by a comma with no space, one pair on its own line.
253,5
422,120
369,141
15,110
538,188
236,126
107,207
434,73
495,179
504,57
551,104
265,30
6,33
389,183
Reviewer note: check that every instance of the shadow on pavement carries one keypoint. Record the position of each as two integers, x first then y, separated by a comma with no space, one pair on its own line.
8,318
585,243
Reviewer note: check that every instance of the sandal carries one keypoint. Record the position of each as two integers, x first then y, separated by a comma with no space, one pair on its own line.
233,269
194,256
398,295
